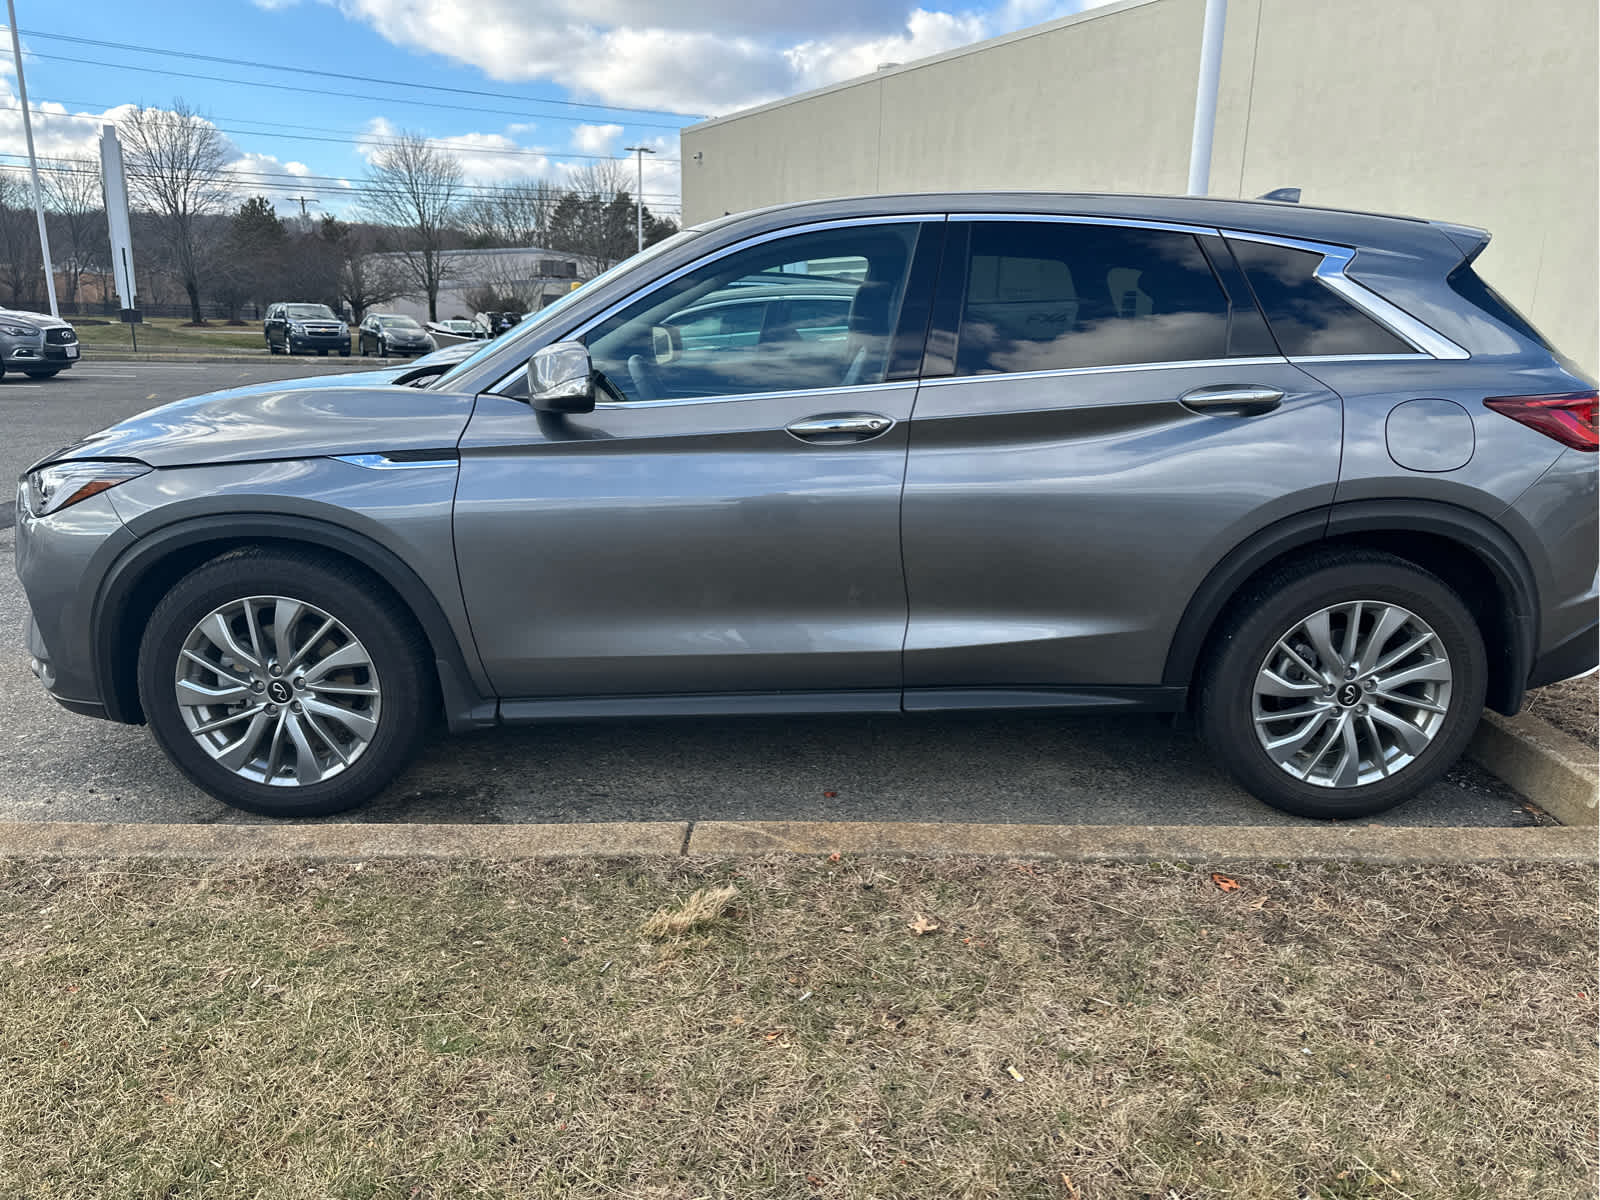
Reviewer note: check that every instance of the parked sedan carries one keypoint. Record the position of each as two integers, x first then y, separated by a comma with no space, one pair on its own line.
384,334
457,328
302,328
1298,472
36,344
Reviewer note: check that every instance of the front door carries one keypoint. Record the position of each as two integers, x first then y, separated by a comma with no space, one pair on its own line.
727,519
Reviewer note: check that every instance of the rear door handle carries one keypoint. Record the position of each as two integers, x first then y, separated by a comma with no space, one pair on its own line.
1244,400
836,428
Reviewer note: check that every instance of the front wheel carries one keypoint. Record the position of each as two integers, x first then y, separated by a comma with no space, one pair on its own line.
1344,685
50,374
383,349
284,683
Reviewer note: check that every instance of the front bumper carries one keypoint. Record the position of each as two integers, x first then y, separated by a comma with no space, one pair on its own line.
35,353
300,342
61,560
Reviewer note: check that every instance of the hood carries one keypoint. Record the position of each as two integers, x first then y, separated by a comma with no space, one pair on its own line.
42,320
288,419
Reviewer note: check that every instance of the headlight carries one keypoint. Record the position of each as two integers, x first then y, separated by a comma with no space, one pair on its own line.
19,330
296,327
52,488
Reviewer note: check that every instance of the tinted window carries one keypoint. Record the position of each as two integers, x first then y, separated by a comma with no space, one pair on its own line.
1049,295
741,333
301,312
1469,285
1306,316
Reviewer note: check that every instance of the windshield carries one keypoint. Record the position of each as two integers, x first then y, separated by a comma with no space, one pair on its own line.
311,311
537,321
399,322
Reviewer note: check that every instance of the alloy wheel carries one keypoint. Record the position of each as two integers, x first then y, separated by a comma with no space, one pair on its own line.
1352,694
277,691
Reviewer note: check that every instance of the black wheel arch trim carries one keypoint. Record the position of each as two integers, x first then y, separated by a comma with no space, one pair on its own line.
1493,547
465,707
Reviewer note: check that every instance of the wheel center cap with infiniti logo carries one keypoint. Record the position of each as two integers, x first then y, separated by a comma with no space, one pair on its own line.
1350,695
279,691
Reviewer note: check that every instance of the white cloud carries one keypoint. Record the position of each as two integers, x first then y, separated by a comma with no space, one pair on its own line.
596,139
704,56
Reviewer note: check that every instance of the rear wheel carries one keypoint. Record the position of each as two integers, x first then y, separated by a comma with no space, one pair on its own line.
283,682
1344,686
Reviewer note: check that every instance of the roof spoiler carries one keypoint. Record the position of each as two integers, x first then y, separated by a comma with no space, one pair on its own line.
1468,239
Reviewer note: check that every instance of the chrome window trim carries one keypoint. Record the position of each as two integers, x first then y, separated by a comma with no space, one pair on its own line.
1275,360
789,394
1336,358
771,235
382,462
1330,273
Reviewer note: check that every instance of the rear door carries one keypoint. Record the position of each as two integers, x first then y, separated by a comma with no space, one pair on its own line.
728,517
1103,416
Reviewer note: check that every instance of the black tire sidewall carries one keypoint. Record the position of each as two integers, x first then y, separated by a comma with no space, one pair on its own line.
1225,710
387,636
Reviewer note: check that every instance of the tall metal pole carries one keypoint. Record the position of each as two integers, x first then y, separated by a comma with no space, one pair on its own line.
1205,100
638,201
33,161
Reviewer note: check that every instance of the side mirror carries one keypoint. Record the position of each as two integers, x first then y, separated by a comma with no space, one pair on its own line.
666,344
561,379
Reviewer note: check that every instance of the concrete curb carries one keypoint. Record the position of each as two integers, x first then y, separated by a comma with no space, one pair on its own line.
1553,769
719,839
66,839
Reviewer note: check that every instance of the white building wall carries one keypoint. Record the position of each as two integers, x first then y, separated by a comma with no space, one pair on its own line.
1478,111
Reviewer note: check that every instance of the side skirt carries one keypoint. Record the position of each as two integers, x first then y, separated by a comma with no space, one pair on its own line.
732,704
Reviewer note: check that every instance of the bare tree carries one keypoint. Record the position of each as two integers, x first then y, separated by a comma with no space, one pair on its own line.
365,278
21,265
414,187
517,214
79,242
177,169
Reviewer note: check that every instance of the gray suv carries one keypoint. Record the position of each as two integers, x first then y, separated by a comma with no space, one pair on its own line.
1300,472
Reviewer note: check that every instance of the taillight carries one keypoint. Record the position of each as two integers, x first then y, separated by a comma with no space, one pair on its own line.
1569,417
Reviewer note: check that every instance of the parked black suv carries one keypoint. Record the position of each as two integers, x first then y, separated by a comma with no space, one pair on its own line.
293,328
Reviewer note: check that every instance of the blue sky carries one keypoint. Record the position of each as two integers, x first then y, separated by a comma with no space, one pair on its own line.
563,74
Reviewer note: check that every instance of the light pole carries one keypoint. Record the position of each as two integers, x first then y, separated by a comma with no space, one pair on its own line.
1205,101
638,201
33,163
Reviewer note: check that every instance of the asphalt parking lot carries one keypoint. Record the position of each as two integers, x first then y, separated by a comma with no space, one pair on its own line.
989,767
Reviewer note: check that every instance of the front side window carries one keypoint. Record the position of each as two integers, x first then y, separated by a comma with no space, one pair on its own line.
1308,317
1051,295
741,324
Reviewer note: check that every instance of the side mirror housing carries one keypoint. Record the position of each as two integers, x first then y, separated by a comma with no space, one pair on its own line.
561,379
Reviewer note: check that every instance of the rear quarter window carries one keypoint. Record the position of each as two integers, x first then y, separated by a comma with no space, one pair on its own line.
1307,317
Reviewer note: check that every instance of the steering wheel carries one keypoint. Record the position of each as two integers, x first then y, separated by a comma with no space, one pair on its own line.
646,379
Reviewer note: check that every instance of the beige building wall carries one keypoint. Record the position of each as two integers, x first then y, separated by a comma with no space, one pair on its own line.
1479,111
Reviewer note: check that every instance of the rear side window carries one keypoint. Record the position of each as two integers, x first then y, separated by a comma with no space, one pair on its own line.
1467,284
1047,295
1306,316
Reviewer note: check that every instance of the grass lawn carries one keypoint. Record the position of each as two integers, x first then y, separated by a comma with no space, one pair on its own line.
166,334
413,1030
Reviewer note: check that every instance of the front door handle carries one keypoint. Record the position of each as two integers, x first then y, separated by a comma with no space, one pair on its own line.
837,428
1243,400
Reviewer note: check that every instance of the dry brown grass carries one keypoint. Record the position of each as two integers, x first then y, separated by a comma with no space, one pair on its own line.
1097,1033
699,910
1572,706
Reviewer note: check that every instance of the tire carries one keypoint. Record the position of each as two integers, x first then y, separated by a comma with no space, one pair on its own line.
355,756
345,353
51,374
383,348
1270,623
